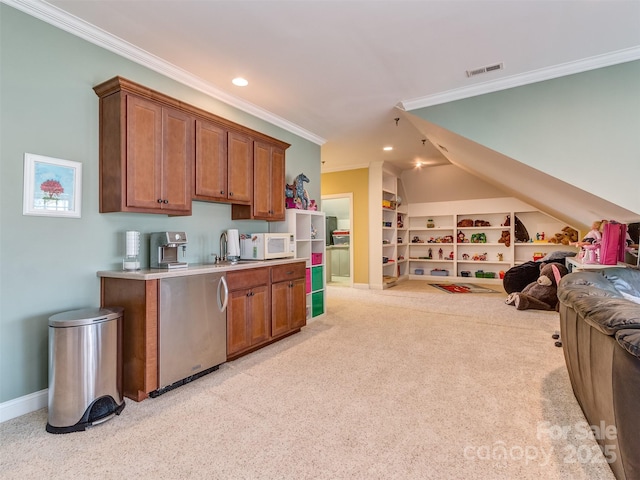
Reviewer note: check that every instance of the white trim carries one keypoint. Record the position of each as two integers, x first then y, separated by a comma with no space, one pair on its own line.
570,68
23,405
75,26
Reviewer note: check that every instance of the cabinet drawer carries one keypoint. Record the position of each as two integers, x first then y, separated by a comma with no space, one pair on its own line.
291,271
248,278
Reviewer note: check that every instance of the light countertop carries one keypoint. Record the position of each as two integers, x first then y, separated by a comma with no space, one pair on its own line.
195,269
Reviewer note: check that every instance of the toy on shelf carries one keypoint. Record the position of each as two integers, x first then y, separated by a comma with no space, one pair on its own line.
301,195
478,238
505,238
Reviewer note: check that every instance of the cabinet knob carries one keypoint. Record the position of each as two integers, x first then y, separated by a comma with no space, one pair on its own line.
165,201
231,194
159,200
221,192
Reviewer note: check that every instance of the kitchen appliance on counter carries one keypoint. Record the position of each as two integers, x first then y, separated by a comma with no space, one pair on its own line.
164,249
131,261
266,246
192,330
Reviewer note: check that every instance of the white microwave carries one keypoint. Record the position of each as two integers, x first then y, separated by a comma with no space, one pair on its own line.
266,246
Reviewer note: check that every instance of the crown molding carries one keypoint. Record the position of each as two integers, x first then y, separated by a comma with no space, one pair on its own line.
569,68
92,34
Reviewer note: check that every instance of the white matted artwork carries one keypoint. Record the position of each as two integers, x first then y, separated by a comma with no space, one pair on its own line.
52,186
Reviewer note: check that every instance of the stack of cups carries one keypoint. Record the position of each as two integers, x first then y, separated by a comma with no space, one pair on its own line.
131,260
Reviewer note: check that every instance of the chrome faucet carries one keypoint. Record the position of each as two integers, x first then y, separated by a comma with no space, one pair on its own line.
223,247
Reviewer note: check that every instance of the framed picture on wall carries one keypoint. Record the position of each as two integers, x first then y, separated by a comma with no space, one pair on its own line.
52,187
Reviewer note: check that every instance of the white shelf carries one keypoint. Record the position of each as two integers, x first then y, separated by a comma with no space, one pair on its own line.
494,211
309,228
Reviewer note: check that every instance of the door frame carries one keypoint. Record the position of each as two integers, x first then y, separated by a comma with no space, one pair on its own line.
349,196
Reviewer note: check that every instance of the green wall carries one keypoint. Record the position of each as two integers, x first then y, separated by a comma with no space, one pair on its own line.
581,128
49,265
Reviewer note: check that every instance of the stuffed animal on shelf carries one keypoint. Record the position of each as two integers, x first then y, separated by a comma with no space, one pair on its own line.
567,236
505,238
541,294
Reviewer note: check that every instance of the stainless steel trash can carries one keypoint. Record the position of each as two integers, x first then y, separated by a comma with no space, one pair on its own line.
85,368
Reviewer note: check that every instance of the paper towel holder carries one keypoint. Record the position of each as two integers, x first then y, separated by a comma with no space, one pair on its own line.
233,245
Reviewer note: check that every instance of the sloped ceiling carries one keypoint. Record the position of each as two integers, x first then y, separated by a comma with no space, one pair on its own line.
560,199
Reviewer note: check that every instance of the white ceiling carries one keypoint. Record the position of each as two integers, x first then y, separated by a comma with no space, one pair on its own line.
335,71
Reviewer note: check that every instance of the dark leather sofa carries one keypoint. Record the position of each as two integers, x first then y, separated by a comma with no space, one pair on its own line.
600,329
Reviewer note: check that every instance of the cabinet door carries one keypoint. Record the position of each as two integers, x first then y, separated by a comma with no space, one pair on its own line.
268,183
288,307
261,180
298,304
238,338
177,156
259,314
277,184
280,308
210,170
144,154
240,167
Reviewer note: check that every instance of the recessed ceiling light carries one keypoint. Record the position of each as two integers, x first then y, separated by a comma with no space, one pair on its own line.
387,149
240,82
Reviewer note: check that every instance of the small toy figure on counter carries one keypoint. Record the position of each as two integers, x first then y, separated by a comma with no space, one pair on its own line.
440,253
430,255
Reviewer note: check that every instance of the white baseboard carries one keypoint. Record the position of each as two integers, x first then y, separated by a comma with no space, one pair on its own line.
23,405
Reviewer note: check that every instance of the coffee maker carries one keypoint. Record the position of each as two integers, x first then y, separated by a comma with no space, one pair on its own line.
163,249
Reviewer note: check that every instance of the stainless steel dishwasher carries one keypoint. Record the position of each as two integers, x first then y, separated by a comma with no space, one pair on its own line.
193,328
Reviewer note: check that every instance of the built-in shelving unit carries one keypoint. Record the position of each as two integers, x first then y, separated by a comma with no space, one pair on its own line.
388,230
309,229
440,249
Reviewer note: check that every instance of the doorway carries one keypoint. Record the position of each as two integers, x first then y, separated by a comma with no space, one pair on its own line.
338,210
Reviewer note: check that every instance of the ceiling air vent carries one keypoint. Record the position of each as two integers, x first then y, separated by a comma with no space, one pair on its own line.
486,69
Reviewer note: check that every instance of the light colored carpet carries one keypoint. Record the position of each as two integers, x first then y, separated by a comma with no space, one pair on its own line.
405,383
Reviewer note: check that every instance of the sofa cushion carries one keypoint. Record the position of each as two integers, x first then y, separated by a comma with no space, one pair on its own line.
626,281
629,339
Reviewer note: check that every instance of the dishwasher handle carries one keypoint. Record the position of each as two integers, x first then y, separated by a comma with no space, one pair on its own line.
222,304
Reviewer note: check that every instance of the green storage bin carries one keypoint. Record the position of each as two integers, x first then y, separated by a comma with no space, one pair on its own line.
316,279
317,303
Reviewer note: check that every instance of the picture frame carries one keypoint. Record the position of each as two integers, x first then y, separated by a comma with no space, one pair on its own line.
52,187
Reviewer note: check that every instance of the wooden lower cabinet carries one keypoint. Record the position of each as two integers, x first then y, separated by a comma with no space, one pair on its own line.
247,310
139,298
265,304
288,299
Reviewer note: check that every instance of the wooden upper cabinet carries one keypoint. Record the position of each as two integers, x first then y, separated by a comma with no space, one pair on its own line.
146,153
157,154
240,167
223,169
210,171
268,184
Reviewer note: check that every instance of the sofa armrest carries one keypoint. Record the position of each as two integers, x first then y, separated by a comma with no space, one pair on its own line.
629,339
596,299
